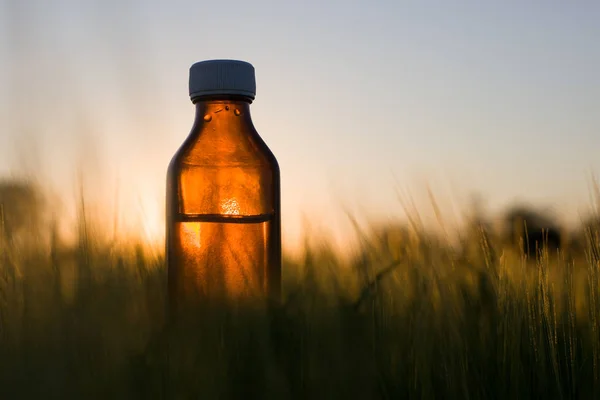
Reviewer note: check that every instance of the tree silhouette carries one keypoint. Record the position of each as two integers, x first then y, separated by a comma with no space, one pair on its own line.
531,231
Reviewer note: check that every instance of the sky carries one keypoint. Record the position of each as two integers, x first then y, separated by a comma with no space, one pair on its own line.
358,100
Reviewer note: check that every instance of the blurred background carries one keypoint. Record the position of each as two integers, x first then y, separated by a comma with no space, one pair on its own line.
381,114
361,102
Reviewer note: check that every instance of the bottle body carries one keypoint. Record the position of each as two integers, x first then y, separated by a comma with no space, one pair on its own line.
223,210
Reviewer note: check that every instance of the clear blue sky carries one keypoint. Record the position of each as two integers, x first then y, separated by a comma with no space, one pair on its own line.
501,98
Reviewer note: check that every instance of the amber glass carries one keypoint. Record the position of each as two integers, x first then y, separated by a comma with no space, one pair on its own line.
223,210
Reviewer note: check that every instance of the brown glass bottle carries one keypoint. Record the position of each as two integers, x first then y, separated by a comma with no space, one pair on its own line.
223,238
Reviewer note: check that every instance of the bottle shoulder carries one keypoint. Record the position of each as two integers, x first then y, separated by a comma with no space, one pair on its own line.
208,148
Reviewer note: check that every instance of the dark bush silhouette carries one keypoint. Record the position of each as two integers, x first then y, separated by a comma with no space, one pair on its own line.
20,206
531,231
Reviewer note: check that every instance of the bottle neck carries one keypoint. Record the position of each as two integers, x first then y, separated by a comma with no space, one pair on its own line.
230,111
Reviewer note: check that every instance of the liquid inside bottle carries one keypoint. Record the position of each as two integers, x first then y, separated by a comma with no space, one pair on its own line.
224,254
223,200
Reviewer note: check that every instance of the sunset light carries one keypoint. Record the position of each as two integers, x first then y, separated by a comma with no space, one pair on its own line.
299,200
153,221
230,207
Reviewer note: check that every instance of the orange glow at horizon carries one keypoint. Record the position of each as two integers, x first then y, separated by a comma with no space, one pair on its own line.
144,220
153,221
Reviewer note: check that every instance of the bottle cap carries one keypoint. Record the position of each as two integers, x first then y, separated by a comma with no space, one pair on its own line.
215,77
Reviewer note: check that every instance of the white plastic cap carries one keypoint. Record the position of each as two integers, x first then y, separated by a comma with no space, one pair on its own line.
214,77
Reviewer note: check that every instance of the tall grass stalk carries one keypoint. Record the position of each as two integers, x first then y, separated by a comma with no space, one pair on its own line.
409,316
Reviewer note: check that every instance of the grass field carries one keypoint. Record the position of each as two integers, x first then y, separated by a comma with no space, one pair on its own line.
409,317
